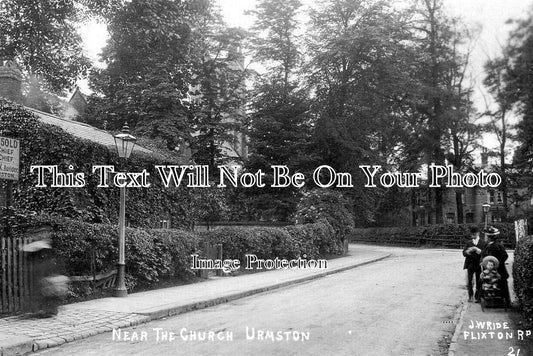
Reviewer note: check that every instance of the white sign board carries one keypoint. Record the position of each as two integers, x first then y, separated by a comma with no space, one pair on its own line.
520,228
9,158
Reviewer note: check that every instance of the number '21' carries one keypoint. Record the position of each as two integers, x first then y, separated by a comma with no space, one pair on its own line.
512,353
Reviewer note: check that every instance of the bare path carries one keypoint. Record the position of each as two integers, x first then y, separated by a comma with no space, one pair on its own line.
399,306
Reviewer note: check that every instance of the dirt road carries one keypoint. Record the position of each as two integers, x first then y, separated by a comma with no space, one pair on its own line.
403,305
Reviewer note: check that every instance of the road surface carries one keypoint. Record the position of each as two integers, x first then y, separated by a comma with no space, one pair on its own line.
403,305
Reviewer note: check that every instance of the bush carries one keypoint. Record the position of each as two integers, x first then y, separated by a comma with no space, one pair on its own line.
328,205
311,240
316,239
177,247
237,242
523,277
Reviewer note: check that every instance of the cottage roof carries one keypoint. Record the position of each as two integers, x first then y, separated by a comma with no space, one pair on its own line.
82,130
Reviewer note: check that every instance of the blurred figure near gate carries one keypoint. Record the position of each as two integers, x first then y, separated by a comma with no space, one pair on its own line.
50,286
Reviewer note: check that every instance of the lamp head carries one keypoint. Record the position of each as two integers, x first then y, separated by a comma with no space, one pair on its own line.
124,142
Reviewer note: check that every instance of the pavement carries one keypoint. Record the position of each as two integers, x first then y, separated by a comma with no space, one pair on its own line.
20,335
494,331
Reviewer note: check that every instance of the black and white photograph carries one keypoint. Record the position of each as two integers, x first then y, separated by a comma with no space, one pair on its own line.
266,177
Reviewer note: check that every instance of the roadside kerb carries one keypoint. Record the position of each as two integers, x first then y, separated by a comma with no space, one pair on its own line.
15,344
463,308
20,345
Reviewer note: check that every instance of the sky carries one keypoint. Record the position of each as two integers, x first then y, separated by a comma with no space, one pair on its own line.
489,15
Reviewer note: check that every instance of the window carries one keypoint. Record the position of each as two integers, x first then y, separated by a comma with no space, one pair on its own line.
500,197
469,218
163,224
450,218
491,196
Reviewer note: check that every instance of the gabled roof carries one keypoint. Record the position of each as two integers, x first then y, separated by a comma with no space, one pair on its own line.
78,93
82,130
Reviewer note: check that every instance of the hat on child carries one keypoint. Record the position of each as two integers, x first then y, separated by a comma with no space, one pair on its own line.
490,259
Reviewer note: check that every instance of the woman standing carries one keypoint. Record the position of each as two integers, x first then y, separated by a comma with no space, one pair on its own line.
495,248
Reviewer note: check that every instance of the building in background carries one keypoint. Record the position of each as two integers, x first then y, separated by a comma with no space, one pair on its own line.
76,105
519,203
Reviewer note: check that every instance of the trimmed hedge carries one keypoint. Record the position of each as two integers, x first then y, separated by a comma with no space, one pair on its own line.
152,255
161,255
446,235
311,240
523,277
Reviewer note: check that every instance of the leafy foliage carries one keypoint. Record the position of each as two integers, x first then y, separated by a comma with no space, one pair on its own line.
523,276
280,124
306,241
218,90
41,36
152,254
328,205
146,90
43,144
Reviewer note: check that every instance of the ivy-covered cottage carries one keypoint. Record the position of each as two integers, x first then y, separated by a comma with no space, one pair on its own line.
48,139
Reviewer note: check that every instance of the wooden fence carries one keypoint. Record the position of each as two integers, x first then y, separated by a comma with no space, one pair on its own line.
390,236
16,282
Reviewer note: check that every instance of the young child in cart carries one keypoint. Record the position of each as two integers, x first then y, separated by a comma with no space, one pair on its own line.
490,277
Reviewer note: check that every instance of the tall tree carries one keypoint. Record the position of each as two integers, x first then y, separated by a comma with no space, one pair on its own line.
497,71
41,36
359,66
217,89
442,109
147,75
510,81
279,119
462,130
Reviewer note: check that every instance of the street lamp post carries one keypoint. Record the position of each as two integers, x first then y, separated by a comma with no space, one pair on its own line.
486,208
124,143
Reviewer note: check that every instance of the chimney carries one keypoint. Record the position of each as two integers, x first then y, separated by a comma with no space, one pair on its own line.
10,81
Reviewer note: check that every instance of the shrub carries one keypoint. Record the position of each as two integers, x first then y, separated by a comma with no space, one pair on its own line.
329,205
523,276
311,240
316,239
302,239
237,241
177,247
